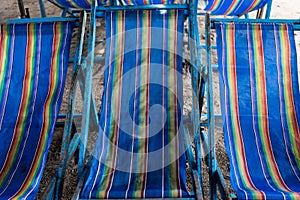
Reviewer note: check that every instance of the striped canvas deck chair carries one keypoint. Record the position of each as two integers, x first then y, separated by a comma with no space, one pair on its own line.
140,151
220,9
260,108
33,63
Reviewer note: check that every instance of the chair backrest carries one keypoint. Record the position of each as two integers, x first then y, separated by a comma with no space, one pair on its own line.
81,4
84,4
260,108
231,8
140,150
33,63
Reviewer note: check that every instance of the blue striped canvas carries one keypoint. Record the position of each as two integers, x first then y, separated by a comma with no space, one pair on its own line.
231,8
140,150
33,63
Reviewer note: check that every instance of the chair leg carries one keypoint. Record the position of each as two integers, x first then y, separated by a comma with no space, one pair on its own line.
23,13
87,90
65,157
42,8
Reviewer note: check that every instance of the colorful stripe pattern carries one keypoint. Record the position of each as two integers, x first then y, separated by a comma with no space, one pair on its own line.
80,4
139,153
259,93
6,60
32,101
230,8
145,2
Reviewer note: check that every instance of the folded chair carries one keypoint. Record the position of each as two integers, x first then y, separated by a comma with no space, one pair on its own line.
140,151
33,63
260,108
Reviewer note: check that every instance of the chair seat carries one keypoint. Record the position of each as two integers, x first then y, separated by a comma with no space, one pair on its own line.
33,63
260,108
140,150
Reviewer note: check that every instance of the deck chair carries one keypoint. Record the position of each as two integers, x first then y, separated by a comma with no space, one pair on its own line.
140,150
33,63
260,108
208,118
